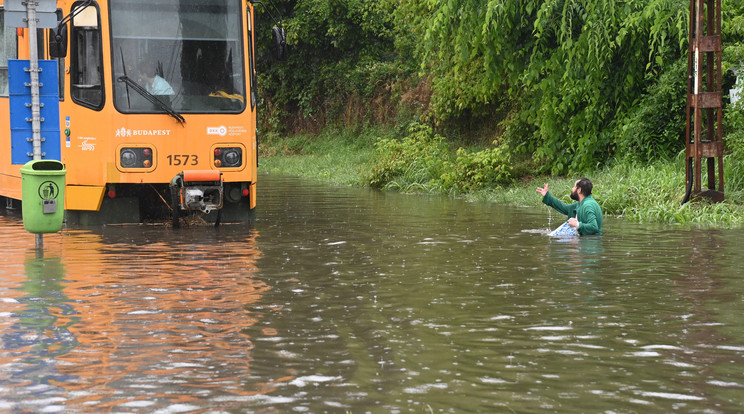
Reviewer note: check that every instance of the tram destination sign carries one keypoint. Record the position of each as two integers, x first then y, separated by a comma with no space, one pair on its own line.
46,16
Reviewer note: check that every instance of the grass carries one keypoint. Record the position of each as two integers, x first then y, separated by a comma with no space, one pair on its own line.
333,158
645,193
650,193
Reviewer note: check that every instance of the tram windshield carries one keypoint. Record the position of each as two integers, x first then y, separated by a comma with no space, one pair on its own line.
186,53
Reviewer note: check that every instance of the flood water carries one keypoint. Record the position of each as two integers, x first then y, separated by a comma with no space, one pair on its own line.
348,300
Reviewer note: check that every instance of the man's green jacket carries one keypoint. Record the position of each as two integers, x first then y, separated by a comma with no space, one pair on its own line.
587,212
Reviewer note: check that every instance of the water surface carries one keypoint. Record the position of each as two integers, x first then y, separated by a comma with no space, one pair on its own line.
340,299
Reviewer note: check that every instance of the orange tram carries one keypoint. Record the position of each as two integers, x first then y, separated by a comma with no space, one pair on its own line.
157,108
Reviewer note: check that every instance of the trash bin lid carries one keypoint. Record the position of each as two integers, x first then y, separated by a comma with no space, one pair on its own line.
43,167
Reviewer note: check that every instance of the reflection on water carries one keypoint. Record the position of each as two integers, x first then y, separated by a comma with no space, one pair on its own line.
350,300
129,319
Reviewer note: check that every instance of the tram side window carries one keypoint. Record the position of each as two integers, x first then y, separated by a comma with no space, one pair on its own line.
86,65
8,50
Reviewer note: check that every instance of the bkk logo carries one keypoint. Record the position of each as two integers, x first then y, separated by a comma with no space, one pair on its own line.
220,130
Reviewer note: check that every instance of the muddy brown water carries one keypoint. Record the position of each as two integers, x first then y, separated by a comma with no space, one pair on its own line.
348,300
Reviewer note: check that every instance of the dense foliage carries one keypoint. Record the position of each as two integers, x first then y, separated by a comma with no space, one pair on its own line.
424,161
340,53
562,85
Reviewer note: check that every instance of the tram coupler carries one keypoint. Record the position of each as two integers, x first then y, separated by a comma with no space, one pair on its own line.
197,190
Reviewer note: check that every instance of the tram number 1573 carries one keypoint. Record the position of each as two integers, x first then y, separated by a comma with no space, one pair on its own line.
183,159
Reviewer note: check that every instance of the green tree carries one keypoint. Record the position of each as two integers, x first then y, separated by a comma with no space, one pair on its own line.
572,83
339,51
573,68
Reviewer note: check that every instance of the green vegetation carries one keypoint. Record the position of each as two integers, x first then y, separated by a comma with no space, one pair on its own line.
423,160
480,98
648,192
334,158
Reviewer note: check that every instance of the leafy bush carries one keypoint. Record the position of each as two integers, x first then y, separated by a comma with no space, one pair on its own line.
420,157
423,161
473,170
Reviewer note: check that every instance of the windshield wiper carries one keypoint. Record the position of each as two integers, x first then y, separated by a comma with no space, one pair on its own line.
152,98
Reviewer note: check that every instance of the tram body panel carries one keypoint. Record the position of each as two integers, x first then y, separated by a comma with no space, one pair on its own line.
118,127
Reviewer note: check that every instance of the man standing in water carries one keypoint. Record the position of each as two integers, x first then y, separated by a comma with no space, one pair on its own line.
585,215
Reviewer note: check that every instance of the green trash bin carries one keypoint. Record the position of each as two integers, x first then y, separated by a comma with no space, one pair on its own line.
43,195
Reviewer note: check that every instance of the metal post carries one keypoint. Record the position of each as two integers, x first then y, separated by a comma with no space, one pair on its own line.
34,72
704,104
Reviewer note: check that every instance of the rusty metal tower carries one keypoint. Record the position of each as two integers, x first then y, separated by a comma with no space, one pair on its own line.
704,106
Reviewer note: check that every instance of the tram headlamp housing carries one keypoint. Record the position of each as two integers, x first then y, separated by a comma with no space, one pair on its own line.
228,157
128,158
137,158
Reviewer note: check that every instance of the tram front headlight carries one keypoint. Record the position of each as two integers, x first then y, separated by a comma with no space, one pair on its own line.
128,158
228,157
232,158
136,157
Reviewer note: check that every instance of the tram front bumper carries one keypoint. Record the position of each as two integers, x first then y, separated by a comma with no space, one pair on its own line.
197,190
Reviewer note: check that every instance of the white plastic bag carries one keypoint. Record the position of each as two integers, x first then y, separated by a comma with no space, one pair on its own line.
564,230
